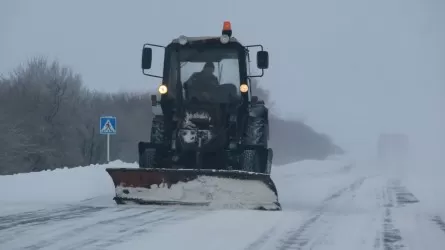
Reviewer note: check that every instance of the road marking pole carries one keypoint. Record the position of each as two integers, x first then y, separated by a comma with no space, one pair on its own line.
107,126
108,147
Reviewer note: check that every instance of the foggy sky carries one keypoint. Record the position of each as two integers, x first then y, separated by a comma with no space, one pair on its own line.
349,68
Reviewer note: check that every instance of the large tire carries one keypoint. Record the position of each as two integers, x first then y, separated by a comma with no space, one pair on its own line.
269,161
250,161
157,130
256,133
257,127
147,159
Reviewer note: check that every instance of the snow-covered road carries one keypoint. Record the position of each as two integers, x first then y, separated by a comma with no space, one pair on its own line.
331,204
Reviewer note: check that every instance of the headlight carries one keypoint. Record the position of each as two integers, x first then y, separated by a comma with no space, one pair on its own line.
243,88
182,40
224,39
162,89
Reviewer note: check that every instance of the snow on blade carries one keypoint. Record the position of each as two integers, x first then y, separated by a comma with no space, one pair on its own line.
217,192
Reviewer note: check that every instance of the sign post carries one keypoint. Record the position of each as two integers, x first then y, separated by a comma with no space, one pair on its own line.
107,126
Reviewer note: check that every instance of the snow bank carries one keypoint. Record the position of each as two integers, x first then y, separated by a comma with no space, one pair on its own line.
64,185
310,182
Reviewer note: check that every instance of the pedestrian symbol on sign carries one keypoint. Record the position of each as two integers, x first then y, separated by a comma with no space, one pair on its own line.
108,125
108,128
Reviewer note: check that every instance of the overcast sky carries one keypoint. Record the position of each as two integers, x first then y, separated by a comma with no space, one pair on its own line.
349,68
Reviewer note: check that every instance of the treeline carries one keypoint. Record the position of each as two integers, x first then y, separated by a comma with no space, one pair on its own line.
48,119
293,140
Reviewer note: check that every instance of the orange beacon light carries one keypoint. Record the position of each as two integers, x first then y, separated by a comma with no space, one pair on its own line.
227,25
227,28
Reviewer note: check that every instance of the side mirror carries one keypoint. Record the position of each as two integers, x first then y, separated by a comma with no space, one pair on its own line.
262,59
147,54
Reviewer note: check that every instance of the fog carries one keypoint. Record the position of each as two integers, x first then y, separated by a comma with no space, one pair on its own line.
350,69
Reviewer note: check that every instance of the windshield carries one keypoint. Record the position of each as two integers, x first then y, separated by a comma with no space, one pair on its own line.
208,74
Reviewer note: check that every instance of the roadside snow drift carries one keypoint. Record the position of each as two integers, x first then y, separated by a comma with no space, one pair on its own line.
71,185
66,185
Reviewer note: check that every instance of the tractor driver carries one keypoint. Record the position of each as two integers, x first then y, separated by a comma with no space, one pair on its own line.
201,84
204,77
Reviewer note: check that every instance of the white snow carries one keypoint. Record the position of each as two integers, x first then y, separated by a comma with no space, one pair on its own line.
235,230
332,204
218,192
59,185
306,184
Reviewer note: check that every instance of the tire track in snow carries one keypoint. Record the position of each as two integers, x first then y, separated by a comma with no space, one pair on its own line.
381,201
26,223
45,216
140,225
295,237
406,227
403,196
101,227
43,244
438,220
394,196
263,239
392,238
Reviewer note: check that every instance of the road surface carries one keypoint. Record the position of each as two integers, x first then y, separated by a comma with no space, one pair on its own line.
353,210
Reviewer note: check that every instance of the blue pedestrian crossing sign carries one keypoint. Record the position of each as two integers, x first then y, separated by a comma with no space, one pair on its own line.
107,125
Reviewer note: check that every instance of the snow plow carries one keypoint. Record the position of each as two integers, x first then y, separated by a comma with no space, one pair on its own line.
209,135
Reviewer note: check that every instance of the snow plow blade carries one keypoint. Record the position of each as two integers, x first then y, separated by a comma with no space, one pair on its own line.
195,187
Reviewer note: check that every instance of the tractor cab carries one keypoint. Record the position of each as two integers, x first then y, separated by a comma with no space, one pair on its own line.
205,69
206,73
